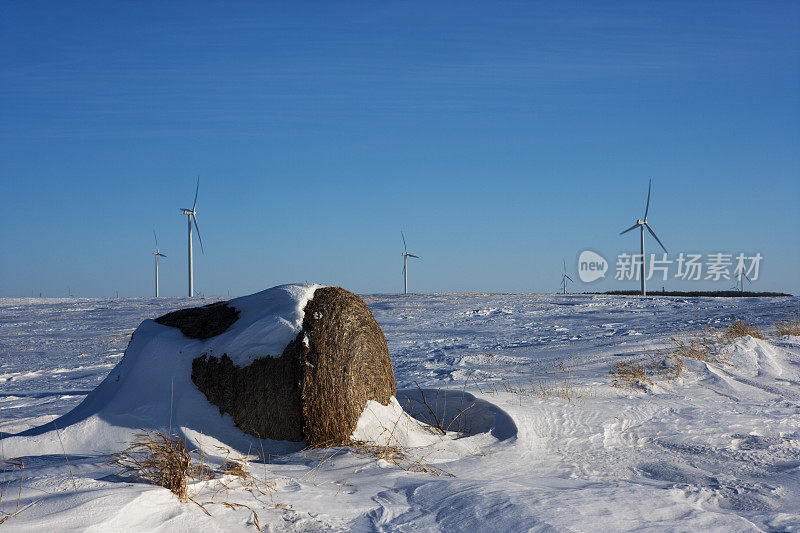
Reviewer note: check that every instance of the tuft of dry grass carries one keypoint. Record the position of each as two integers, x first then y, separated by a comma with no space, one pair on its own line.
438,422
704,346
398,456
788,326
630,374
64,451
562,385
9,467
739,329
709,345
639,374
163,460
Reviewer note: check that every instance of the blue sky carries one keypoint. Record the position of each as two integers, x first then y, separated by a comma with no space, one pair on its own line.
500,136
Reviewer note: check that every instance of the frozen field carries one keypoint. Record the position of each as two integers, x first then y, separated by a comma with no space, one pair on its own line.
716,449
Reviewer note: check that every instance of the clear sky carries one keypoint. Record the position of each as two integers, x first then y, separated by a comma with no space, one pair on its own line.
500,136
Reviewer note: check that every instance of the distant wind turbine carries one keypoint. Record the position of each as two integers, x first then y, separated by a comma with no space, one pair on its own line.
742,276
156,255
642,224
191,216
406,255
564,279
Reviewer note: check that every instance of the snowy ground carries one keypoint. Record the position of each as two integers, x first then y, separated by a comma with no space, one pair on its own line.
716,449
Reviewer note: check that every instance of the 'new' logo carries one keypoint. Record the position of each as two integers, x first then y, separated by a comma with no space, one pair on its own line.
591,266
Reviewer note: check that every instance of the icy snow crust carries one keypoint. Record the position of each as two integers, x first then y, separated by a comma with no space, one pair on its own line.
716,450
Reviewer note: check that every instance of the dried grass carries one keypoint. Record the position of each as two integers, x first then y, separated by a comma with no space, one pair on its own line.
438,422
705,346
64,451
739,329
398,456
9,467
788,326
162,460
562,385
639,374
630,374
709,345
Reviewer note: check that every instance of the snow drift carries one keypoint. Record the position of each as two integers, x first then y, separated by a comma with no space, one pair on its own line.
334,359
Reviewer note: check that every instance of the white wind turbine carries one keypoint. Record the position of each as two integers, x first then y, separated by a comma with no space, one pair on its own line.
157,254
564,279
406,255
642,224
191,216
741,277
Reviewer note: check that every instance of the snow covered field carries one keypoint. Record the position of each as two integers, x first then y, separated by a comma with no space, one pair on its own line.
716,449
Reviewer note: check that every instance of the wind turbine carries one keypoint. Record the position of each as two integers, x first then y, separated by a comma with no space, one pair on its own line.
191,216
564,279
642,224
156,255
406,255
742,276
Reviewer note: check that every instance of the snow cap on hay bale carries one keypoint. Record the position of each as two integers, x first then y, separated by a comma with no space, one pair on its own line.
319,385
202,322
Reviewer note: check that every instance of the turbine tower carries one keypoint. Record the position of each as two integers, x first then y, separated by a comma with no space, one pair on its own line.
642,224
191,216
406,255
156,255
742,276
564,279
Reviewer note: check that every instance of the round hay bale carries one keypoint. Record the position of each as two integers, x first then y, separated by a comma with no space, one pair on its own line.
316,389
345,363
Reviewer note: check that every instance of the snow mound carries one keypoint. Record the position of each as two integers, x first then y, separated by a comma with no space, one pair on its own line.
151,387
755,357
389,425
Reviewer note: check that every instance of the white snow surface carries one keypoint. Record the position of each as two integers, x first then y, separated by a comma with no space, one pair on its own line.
268,321
717,449
390,425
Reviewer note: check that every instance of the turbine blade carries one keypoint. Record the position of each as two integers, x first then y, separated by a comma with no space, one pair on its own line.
412,255
197,189
627,230
404,241
647,207
569,278
745,276
565,265
653,233
156,237
198,234
162,255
